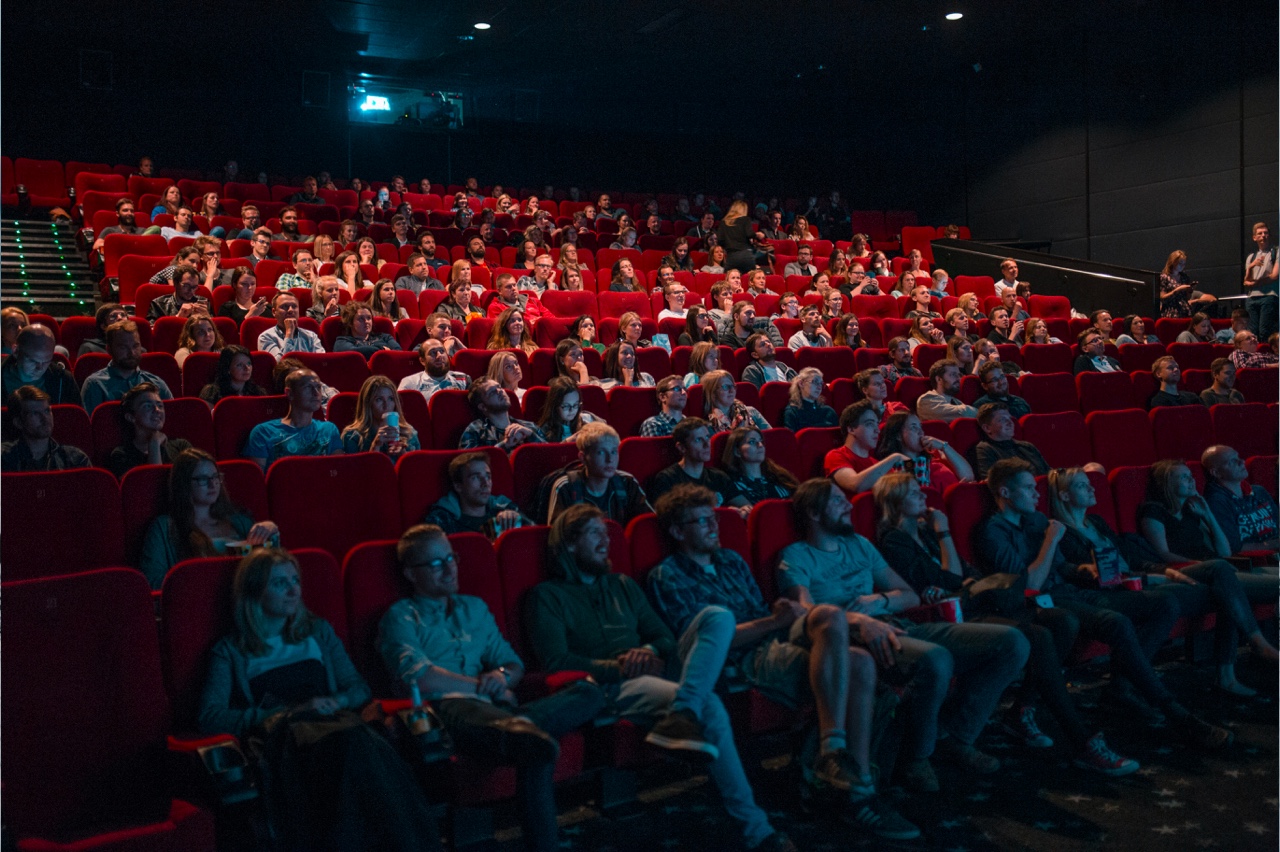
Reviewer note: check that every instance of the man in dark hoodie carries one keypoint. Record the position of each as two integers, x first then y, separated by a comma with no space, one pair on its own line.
642,668
471,505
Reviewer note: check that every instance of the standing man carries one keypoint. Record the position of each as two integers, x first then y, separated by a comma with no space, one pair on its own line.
1261,270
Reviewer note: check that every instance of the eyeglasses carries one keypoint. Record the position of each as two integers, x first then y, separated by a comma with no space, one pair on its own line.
703,522
570,406
435,566
206,481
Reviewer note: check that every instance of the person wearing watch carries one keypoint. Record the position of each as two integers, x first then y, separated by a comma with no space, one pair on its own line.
449,646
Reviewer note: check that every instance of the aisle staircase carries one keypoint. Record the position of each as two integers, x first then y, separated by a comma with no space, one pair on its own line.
41,271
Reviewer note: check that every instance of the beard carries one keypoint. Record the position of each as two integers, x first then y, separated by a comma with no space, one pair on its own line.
841,526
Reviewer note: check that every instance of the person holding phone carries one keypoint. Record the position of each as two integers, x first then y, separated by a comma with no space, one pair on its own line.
184,300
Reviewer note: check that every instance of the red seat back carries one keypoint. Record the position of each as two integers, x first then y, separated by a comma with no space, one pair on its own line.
1061,437
1104,391
299,488
1120,438
649,544
76,514
423,477
1249,429
1047,358
1181,432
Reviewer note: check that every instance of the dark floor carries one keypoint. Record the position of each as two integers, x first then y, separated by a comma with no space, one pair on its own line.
1181,799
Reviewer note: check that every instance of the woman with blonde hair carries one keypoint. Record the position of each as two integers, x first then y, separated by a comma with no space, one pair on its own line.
704,358
322,249
379,425
1177,290
509,332
504,368
735,235
721,406
199,334
971,307
631,330
807,407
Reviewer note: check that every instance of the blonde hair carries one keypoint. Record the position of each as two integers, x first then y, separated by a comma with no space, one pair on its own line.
797,397
497,364
737,210
698,357
890,492
364,424
709,382
250,584
1060,480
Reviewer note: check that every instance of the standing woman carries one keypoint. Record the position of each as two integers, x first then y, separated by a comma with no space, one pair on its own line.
282,675
373,429
199,334
1177,290
734,234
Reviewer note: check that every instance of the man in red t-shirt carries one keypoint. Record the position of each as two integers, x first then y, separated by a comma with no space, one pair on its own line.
852,466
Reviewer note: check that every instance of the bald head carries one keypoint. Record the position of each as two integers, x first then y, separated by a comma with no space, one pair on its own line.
35,338
1223,463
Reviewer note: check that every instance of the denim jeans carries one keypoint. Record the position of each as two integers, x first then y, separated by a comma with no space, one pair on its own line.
691,685
1262,315
1128,657
1230,593
1153,613
983,658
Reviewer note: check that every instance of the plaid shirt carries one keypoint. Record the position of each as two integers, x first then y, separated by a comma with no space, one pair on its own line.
681,588
483,433
659,425
289,280
426,385
1244,359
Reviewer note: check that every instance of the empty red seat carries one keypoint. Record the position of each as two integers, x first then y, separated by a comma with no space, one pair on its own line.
629,407
1120,438
616,304
570,303
1104,391
880,307
812,446
1048,393
116,246
909,389
70,521
85,718
530,463
44,180
967,504
1249,429
1264,470
1050,307
1197,356
983,285
643,457
1139,357
345,371
1128,491
1061,437
450,416
1259,384
306,492
1181,432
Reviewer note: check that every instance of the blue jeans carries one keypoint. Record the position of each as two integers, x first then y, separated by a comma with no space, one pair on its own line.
1262,315
693,675
1229,593
983,658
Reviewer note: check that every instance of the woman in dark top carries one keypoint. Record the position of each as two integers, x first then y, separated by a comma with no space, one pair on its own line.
1177,524
142,423
756,476
916,542
232,377
283,676
807,407
734,234
698,326
357,320
243,285
583,331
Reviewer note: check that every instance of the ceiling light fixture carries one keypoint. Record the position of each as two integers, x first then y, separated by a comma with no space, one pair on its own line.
955,16
482,26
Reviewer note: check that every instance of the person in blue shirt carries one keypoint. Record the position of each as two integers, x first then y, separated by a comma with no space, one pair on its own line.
298,433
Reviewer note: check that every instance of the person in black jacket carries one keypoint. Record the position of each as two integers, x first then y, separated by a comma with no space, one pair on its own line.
735,235
1093,357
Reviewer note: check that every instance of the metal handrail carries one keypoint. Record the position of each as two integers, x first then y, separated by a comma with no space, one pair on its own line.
1042,265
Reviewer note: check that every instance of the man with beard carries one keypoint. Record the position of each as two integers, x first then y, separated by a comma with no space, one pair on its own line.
122,373
435,375
124,223
289,232
494,426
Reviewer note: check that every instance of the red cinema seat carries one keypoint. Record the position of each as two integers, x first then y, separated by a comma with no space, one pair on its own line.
1047,358
630,407
85,720
88,181
649,544
983,285
1264,470
570,304
1249,429
909,389
116,246
835,362
812,446
1049,393
530,463
1182,431
1061,437
345,371
1198,356
424,478
643,457
1258,384
45,182
879,307
196,612
71,427
77,514
1050,307
967,504
1120,438
1104,391
771,526
373,581
924,356
450,416
302,489
965,434
616,304
394,365
235,416
1128,491
1138,357
868,357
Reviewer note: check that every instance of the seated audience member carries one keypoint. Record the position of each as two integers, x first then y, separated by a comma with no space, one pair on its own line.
679,257
1008,276
569,362
598,482
692,438
623,278
1239,323
1003,329
33,447
260,247
997,425
233,376
1037,331
1168,375
917,545
504,368
471,505
899,361
307,195
12,321
854,466
1246,353
674,294
960,350
183,301
583,331
436,374
968,304
940,281
934,462
385,302
439,326
874,387
722,296
199,334
996,386
812,332
379,425
187,256
788,307
562,414
742,324
704,359
113,380
209,262
715,261
304,274
418,277
904,285
287,336
298,433
757,283
1093,357
699,327
1134,330
1223,390
510,332
756,476
783,648
619,368
960,324
834,565
1200,330
764,366
1245,511
108,314
642,669
924,331
32,364
447,648
244,304
543,277
493,426
860,283
672,397
1101,322
803,264
457,305
1009,301
721,407
807,406
942,401
126,223
184,224
201,520
986,352
631,330
326,298
357,322
141,425
283,665
286,366
1018,539
921,305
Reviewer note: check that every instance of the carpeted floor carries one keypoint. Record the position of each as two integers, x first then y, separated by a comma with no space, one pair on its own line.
1181,799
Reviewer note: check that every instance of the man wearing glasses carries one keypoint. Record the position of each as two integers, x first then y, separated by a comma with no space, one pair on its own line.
260,247
448,646
1246,353
210,262
543,277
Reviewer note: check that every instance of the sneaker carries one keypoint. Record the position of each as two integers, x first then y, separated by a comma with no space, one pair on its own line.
966,756
875,815
1121,694
832,769
1023,726
918,777
1202,734
1098,757
680,731
776,842
521,742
